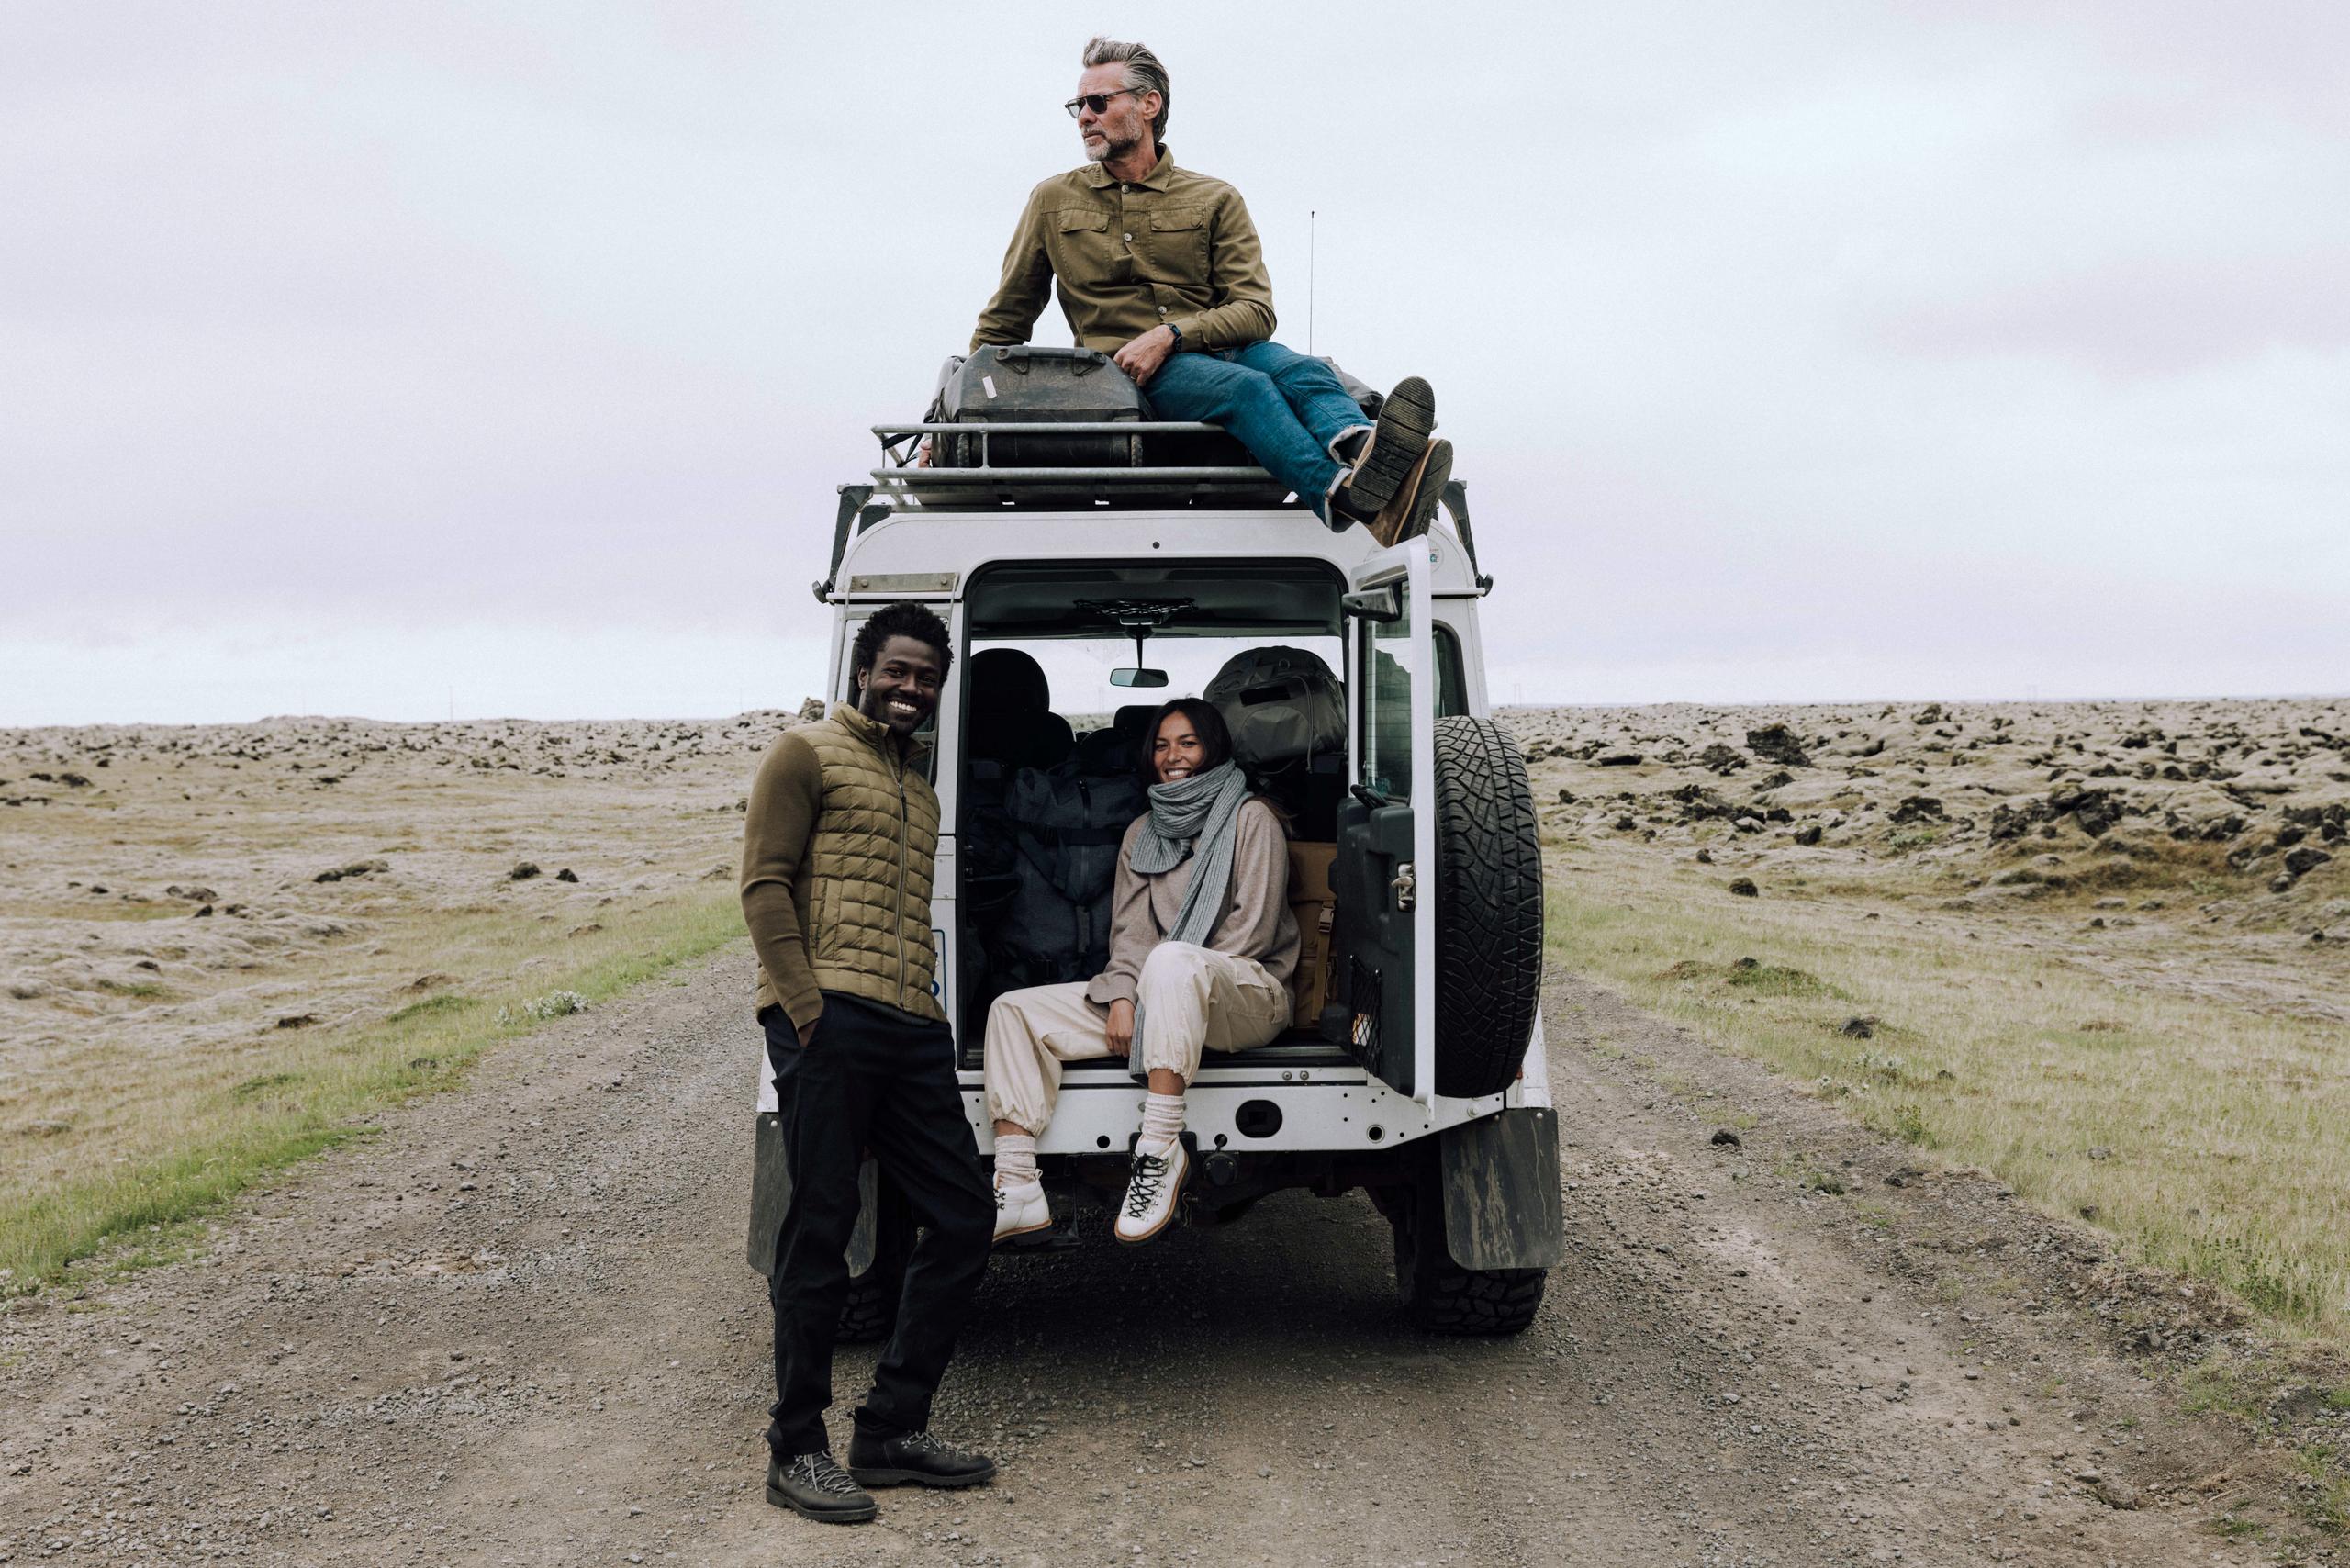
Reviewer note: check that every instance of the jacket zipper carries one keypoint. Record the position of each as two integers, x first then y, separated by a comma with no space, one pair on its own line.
905,829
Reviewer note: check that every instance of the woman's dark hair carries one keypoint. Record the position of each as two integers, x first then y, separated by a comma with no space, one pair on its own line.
1215,740
903,619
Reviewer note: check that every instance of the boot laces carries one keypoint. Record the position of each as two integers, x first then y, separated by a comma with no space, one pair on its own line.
819,1471
928,1442
1142,1187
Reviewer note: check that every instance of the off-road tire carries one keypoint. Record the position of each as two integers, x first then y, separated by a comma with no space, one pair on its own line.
1489,908
870,1309
1439,1295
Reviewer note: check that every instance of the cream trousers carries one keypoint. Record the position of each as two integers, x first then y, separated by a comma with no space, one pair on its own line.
1189,999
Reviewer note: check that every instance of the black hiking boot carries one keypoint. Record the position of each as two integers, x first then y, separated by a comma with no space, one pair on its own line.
915,1457
812,1485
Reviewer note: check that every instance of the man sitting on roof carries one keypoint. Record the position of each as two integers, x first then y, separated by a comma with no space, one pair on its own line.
1160,268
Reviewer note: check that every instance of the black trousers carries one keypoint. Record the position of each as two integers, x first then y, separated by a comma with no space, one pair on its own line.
874,1078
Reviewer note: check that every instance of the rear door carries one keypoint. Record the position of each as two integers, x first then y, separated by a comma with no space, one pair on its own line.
1384,874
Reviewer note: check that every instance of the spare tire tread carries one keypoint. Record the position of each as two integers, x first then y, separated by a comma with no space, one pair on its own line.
1489,908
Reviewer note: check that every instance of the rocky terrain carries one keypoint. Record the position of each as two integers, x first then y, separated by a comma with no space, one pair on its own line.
2142,821
2256,792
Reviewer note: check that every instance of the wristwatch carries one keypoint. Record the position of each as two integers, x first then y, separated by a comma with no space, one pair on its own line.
1179,338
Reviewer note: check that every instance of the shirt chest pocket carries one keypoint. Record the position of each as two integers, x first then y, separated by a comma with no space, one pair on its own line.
1176,245
1080,244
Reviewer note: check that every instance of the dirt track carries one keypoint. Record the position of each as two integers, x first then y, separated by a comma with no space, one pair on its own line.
516,1329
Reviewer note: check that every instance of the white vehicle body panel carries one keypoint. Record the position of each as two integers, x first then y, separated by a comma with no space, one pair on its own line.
930,555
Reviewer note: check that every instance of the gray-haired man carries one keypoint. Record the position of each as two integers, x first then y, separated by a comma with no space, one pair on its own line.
1160,267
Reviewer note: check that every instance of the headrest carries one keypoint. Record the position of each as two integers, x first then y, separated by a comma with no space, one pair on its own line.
1103,752
1128,724
1007,680
1131,720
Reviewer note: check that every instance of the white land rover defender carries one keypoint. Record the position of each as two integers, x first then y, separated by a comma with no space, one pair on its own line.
1352,680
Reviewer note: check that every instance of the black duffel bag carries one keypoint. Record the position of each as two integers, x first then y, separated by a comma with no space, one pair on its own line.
1022,383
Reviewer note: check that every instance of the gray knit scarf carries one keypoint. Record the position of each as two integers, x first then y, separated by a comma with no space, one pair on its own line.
1206,808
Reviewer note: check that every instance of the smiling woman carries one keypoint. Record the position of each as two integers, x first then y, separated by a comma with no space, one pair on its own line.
1186,736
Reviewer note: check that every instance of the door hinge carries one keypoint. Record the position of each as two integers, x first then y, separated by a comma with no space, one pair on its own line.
1406,886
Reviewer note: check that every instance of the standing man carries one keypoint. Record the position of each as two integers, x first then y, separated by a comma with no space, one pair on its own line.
837,851
1160,268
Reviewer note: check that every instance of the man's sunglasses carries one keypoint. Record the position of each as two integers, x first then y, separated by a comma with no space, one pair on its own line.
1098,102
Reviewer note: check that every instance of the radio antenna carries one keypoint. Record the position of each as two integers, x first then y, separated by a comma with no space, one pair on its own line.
1310,216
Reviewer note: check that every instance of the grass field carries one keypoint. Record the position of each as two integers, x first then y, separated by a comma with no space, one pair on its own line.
2211,1138
213,1136
224,949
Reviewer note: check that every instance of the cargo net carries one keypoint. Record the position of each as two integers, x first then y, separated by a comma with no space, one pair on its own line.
1363,990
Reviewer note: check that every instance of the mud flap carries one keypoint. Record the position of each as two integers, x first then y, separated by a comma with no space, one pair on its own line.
771,1195
1500,1191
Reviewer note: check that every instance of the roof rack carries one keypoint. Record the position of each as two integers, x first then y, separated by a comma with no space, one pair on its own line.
900,485
902,482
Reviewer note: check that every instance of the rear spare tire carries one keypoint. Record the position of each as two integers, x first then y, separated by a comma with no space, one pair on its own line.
1488,908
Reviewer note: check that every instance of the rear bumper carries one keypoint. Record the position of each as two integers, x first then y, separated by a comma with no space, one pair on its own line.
1269,1110
1281,1099
1277,1100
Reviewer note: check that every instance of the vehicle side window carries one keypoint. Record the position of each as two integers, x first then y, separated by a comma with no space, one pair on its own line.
1452,684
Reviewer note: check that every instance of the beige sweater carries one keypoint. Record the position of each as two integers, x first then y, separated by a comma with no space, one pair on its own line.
1257,922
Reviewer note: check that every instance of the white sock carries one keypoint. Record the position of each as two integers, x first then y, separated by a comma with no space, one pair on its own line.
1162,1118
1016,1159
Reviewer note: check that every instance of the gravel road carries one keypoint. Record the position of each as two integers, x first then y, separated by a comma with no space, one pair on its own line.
516,1329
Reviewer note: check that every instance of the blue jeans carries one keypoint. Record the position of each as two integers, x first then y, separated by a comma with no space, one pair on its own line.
1286,408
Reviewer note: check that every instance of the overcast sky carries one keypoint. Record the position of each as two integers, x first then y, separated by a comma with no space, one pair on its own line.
404,359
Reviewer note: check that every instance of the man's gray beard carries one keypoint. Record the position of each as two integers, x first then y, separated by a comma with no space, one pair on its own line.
1109,150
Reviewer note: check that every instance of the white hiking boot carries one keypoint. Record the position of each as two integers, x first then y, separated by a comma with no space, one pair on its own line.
1152,1187
1020,1210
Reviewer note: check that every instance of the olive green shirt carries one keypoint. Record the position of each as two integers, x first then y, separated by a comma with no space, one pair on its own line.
1173,248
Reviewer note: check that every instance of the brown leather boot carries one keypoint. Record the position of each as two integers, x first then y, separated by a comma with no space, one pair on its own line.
1397,444
1407,516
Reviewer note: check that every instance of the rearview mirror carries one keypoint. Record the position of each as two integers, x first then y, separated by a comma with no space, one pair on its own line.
1381,603
1137,678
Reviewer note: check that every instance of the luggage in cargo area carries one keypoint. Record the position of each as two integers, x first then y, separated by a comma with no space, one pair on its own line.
1313,904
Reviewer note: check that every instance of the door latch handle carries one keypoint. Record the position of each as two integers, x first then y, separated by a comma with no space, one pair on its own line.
1406,886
